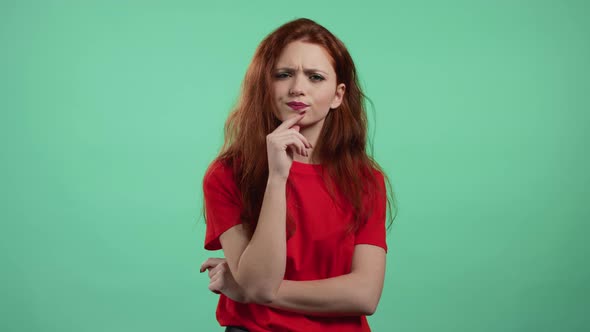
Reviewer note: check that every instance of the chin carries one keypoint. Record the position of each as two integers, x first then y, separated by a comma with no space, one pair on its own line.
289,115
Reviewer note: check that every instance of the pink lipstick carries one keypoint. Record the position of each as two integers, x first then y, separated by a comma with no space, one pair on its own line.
297,105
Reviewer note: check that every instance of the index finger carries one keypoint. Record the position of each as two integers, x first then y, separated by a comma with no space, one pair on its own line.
210,263
290,122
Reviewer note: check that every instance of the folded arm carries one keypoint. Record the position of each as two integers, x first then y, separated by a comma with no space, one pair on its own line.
353,294
356,293
258,263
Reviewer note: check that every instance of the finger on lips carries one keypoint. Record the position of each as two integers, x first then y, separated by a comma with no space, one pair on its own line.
291,121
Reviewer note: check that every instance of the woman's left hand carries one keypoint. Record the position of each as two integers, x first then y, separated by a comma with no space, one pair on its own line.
222,281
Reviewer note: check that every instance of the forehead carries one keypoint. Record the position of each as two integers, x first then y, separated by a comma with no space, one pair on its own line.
301,54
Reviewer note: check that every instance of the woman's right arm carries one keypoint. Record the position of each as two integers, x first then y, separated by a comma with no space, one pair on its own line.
258,263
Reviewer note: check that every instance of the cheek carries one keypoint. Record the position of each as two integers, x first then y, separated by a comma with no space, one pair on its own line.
279,90
324,99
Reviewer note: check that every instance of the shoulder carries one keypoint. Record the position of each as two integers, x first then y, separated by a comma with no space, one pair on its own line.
219,174
217,168
375,182
374,174
377,173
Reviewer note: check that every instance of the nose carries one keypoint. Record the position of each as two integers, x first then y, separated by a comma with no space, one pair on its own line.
296,88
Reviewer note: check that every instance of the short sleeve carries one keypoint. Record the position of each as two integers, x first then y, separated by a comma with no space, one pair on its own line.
373,231
222,203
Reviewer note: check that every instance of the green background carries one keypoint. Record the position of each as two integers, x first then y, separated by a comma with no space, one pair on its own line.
111,111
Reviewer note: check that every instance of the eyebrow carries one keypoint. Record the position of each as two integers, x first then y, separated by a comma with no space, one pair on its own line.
305,70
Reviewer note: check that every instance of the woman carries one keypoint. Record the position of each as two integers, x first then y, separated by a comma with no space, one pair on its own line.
294,201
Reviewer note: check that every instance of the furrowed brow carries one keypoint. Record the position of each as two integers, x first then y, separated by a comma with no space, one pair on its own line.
306,70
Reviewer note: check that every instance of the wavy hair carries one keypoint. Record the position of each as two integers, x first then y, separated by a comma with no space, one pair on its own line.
341,146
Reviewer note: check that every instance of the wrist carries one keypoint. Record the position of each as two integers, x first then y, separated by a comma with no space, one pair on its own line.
276,179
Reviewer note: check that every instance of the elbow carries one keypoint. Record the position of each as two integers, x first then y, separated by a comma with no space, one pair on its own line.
369,309
261,296
369,295
369,304
259,291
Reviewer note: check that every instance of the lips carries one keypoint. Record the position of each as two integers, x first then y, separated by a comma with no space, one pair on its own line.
297,105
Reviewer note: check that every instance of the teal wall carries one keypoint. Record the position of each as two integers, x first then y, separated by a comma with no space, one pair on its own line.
111,111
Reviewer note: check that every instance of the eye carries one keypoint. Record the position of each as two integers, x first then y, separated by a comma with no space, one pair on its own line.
316,77
282,75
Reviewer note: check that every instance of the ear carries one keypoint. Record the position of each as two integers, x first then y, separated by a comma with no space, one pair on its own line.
338,96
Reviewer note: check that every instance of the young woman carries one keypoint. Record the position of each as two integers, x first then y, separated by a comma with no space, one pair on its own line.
293,199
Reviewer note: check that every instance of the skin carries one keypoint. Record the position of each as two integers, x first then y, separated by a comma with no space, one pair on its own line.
304,73
253,269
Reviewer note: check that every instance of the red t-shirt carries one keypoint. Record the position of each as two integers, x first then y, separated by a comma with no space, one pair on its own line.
320,248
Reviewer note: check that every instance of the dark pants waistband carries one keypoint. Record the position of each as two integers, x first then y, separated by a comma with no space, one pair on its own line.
235,329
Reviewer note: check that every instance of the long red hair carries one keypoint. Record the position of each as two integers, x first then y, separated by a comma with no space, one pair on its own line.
341,146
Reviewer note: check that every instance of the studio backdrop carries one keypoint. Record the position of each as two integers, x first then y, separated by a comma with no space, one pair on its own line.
112,110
